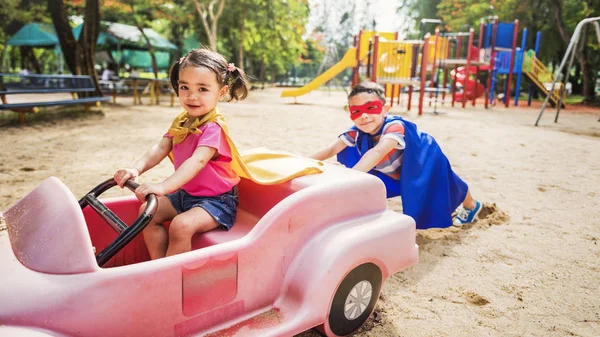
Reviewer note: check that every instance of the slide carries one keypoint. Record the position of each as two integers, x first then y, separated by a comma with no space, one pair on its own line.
469,88
541,76
349,60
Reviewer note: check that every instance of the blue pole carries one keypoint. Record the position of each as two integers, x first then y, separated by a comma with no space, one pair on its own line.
520,65
537,48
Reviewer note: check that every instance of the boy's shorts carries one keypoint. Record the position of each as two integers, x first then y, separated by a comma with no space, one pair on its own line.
223,207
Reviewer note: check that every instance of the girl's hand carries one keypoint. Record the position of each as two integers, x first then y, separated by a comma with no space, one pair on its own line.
122,175
144,189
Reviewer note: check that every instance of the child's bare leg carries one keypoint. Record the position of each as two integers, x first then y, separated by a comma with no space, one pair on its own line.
155,234
185,225
469,202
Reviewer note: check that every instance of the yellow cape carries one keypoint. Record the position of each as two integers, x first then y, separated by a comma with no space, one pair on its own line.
262,166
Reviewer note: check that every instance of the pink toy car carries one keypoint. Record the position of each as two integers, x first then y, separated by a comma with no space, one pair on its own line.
311,252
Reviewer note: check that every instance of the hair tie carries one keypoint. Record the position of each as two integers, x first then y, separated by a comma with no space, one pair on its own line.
181,60
231,67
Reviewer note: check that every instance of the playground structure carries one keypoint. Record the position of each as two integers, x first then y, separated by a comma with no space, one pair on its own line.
500,41
453,66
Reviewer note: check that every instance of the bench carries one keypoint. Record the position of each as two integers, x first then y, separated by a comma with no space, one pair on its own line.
151,87
12,84
139,87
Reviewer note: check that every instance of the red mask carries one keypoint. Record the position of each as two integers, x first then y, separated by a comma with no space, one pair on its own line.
372,107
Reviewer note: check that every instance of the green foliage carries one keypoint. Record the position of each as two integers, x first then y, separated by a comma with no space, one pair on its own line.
416,10
272,34
14,14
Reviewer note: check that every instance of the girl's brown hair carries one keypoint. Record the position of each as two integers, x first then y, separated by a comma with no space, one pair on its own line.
227,74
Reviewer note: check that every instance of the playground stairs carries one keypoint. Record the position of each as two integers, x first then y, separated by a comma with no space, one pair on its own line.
539,74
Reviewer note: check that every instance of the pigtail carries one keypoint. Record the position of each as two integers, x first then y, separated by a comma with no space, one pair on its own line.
237,82
174,76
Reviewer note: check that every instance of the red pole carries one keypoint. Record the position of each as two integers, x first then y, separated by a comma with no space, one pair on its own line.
468,69
375,59
445,85
399,93
447,56
512,64
423,72
454,85
479,46
475,90
491,67
433,65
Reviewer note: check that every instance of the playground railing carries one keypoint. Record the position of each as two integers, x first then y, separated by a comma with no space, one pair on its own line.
366,38
503,61
540,74
396,60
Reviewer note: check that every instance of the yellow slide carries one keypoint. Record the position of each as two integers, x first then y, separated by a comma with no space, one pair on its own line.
541,75
349,60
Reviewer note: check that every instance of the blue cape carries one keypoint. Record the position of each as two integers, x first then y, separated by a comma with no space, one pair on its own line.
429,189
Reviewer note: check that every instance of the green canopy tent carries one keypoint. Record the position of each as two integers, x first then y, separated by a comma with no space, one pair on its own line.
38,35
128,46
125,42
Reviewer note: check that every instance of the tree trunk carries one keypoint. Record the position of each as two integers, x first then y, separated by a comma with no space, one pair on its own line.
250,66
576,80
68,43
29,61
33,61
87,43
263,68
240,60
588,91
580,53
210,19
2,54
156,87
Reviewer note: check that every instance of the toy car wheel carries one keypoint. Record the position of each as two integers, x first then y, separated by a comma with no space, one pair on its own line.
354,300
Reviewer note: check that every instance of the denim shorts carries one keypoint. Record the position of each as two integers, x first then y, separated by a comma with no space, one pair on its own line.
223,207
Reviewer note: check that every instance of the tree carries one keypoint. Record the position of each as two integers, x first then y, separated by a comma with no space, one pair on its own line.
79,54
585,49
271,39
13,15
416,10
210,18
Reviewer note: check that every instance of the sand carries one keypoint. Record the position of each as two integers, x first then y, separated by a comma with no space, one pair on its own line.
530,267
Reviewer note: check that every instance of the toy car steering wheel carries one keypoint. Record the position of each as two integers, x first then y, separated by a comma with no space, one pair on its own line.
126,233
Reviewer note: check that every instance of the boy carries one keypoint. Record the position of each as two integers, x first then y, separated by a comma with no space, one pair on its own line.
409,162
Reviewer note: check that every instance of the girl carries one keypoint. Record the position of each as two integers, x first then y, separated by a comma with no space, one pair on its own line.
410,163
201,194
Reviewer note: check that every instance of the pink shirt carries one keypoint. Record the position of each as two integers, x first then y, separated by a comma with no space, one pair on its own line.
217,177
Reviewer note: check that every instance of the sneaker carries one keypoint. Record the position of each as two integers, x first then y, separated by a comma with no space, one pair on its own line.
465,216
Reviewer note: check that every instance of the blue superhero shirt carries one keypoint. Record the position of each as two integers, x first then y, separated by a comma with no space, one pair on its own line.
429,189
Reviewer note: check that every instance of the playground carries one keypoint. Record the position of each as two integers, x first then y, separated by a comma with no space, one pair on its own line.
528,268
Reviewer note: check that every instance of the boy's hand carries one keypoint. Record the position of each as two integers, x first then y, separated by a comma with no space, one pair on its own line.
122,175
144,189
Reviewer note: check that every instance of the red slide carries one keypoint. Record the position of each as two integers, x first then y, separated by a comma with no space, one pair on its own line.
469,88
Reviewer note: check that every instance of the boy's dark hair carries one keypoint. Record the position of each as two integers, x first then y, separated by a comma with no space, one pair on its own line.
215,62
370,88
